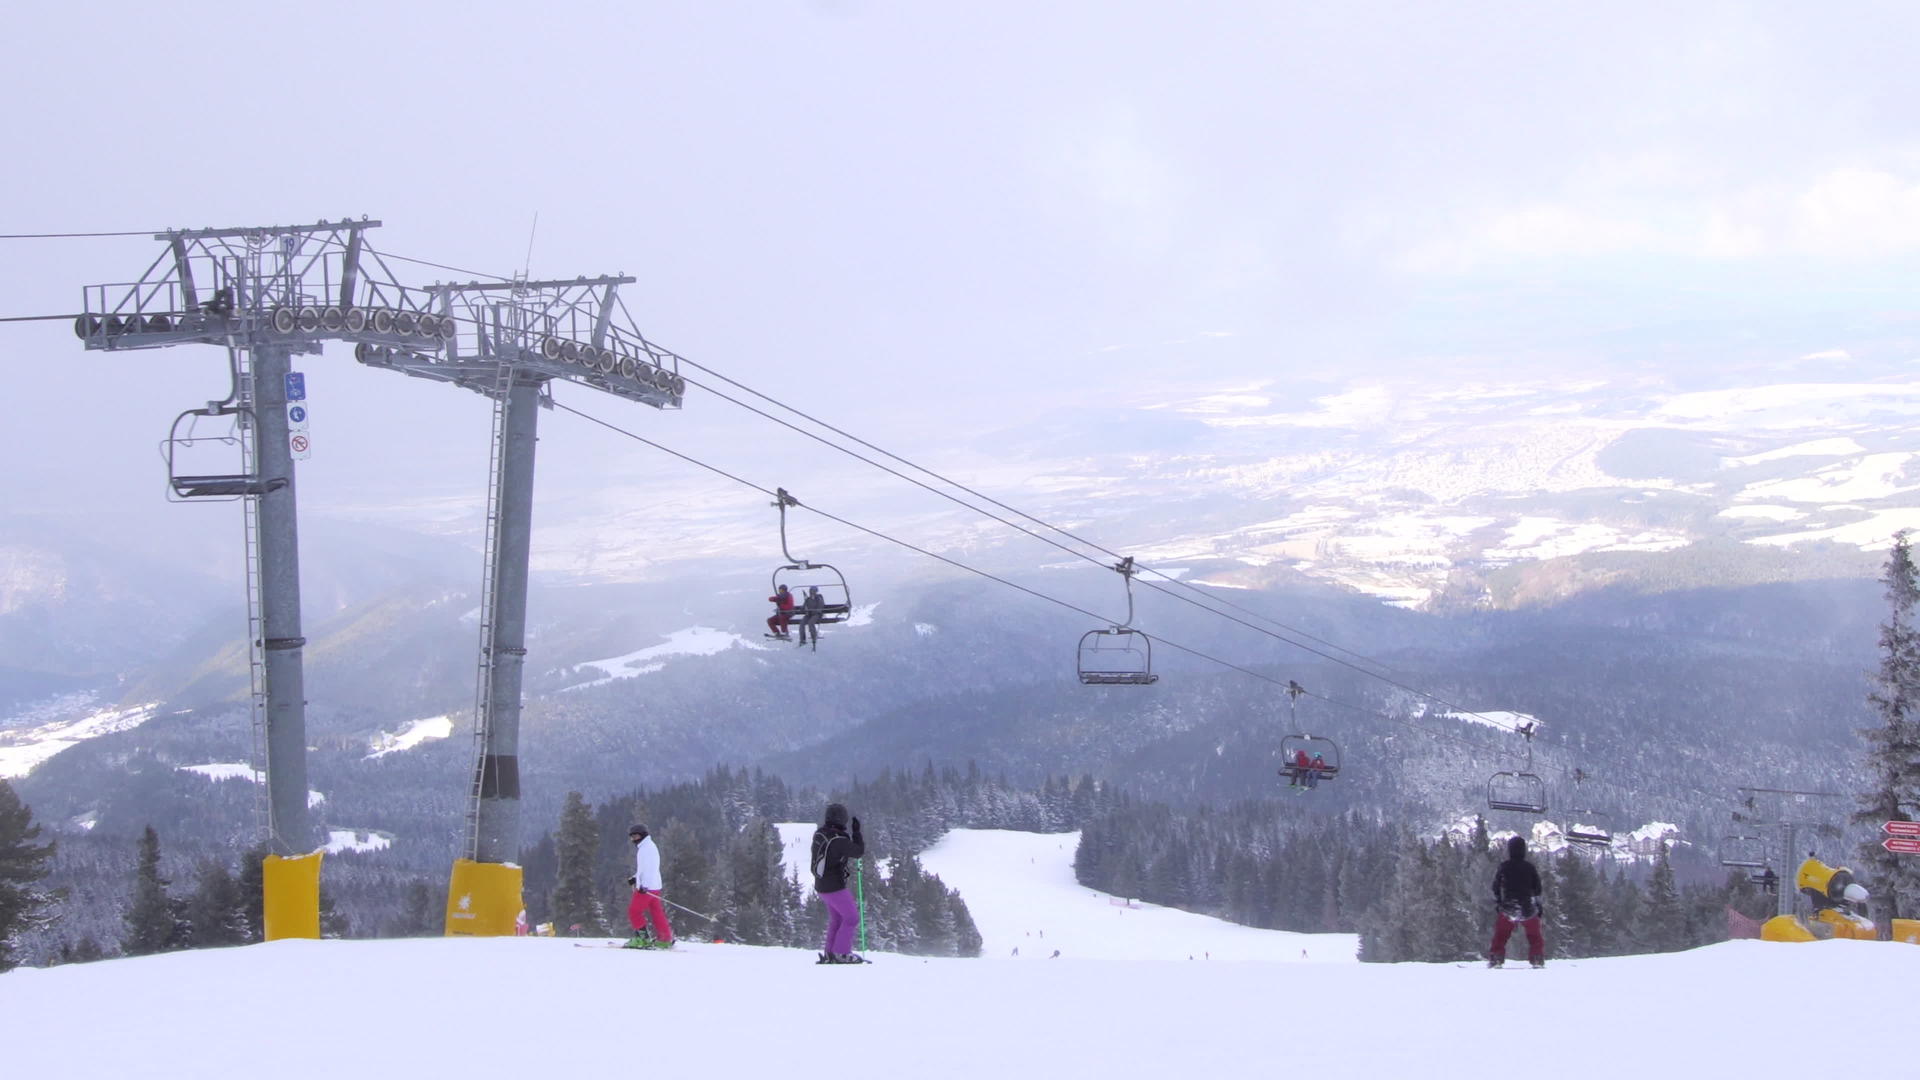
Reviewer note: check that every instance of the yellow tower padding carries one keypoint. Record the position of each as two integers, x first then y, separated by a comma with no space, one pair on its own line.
483,899
292,886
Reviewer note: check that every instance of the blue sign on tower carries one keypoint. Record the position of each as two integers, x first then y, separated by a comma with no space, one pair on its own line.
296,386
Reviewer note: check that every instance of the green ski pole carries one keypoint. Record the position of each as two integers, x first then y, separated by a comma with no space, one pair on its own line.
859,901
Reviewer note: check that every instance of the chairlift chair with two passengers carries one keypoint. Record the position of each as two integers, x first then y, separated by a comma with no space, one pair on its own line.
801,575
1315,747
1118,655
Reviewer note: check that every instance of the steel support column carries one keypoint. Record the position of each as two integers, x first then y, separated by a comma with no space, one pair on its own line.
278,544
497,829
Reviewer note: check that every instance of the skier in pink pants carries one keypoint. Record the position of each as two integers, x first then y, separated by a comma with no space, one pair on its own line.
833,846
646,893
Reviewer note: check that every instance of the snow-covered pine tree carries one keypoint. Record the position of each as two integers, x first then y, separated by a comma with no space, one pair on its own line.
151,923
574,908
217,912
419,916
1893,745
22,864
1663,923
252,882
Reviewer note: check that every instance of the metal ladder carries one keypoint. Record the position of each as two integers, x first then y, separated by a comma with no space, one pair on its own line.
256,631
483,684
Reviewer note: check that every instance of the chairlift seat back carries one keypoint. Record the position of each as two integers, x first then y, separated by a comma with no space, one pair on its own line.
1521,792
1116,657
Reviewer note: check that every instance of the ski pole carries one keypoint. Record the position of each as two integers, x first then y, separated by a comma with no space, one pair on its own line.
686,909
860,902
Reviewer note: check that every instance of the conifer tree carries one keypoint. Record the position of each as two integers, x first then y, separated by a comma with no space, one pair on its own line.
419,917
22,864
575,909
217,912
1893,745
151,923
252,883
1664,927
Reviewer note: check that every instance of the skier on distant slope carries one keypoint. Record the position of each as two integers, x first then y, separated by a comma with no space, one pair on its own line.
833,846
1516,899
646,887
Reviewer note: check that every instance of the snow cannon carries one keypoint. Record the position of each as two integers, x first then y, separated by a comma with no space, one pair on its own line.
1829,886
1838,902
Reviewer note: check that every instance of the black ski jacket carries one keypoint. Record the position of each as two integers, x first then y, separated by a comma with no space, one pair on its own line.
832,847
1516,889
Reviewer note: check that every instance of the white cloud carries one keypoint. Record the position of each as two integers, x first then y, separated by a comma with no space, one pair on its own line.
1848,212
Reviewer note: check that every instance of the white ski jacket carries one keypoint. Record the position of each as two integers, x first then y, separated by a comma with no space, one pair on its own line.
646,865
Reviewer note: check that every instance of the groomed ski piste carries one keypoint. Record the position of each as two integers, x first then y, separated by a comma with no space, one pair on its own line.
1122,1000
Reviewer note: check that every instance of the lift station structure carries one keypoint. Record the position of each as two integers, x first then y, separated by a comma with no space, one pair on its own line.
269,294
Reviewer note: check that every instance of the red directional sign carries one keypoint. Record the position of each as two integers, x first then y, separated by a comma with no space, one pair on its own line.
1905,845
1900,828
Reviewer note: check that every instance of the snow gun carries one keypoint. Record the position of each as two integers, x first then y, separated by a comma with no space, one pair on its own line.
1838,903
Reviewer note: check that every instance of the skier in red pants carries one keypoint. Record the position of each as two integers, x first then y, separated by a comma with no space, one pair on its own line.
646,889
1516,899
782,600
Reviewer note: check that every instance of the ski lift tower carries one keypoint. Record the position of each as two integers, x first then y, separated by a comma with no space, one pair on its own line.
1790,812
265,295
509,340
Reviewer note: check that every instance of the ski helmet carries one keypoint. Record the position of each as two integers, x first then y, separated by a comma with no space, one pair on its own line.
638,832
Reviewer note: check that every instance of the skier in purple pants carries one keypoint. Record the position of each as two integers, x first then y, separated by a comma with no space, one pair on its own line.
833,846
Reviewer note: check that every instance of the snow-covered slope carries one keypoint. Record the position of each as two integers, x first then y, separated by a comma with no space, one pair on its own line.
1020,888
1121,1000
514,1008
24,747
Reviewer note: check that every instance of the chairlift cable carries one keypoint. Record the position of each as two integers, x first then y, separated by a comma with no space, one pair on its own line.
1064,532
1070,606
74,235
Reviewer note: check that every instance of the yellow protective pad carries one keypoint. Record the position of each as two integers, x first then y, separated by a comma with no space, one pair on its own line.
483,899
292,886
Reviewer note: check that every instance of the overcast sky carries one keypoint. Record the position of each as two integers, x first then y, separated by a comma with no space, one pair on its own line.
928,220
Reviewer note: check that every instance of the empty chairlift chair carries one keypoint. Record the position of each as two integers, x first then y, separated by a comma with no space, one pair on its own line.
187,453
1522,792
1745,852
1118,655
1581,830
1519,790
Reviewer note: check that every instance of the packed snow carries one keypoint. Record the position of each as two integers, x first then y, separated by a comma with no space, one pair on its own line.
1026,904
1840,447
339,840
1494,718
23,750
1110,1006
1873,533
1874,476
239,770
415,733
693,641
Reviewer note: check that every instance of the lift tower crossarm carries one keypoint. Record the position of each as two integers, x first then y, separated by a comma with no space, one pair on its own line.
264,230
